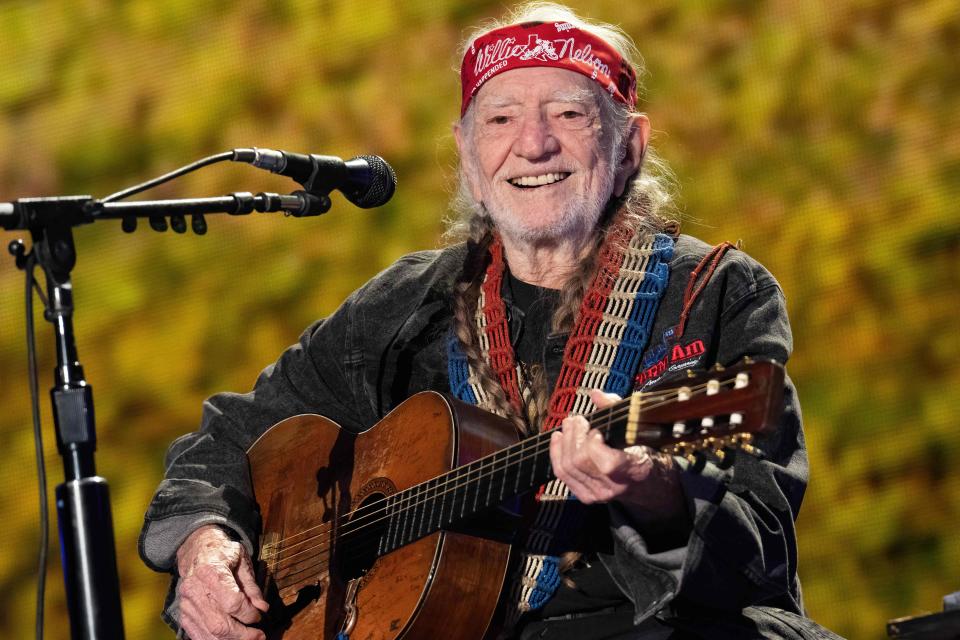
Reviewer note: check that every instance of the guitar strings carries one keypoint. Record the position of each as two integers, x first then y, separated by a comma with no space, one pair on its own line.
376,507
614,412
414,493
413,501
363,540
369,542
289,570
403,509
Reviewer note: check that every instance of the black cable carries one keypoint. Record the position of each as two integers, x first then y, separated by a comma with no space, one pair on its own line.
143,186
38,441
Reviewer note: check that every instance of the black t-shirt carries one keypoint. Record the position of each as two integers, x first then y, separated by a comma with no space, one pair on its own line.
594,589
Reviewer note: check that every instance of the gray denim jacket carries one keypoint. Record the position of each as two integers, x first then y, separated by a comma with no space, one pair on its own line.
387,341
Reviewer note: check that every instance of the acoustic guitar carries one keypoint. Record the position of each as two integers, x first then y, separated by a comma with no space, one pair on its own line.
375,534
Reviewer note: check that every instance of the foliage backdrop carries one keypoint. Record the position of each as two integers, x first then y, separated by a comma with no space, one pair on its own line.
826,135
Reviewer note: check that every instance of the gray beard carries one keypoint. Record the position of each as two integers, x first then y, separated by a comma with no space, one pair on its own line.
579,219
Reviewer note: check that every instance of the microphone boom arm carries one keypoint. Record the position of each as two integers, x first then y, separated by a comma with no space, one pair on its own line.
74,211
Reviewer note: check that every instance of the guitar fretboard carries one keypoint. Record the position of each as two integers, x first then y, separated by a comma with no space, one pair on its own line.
468,490
465,492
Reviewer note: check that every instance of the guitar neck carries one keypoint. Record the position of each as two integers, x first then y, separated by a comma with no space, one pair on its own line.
716,411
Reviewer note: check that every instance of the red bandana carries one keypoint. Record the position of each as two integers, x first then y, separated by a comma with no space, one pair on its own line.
543,44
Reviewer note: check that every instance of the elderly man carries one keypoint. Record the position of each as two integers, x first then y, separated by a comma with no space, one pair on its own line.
571,289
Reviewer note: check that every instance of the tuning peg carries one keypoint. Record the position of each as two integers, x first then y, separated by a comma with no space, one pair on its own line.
718,367
679,428
697,461
685,449
726,461
736,419
713,387
743,442
691,374
742,380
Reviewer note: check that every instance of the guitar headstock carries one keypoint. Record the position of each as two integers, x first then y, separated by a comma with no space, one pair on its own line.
708,411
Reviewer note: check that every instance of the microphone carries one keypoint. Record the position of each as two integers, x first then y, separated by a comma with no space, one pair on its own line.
366,181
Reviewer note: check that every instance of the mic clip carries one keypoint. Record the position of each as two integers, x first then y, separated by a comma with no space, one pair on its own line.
309,204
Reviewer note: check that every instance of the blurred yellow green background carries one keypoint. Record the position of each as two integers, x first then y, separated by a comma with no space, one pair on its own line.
826,135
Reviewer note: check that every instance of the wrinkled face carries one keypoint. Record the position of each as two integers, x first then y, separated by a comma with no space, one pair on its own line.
537,157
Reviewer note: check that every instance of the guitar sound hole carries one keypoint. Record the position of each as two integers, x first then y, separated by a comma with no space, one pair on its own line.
361,537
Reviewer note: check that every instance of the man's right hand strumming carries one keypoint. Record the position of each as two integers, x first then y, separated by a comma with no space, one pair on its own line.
219,595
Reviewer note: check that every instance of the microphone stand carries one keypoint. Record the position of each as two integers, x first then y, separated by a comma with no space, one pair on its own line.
83,503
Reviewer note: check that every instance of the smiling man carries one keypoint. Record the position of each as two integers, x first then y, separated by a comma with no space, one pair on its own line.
536,155
572,288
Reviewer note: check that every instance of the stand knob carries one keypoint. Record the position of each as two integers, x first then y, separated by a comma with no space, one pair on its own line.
178,224
19,251
198,224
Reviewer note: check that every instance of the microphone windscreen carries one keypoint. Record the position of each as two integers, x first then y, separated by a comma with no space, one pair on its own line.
382,183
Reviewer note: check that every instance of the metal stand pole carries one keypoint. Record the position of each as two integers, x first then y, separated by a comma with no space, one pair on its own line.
83,500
